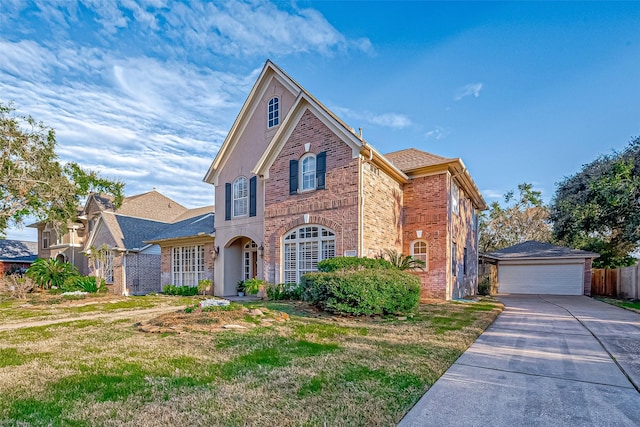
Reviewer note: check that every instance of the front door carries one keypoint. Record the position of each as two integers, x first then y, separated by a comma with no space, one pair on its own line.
250,260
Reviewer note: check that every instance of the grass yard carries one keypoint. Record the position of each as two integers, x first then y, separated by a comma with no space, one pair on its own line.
291,366
634,305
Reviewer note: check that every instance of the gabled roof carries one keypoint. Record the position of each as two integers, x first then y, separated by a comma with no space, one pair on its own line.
130,232
269,72
201,225
532,249
18,251
151,205
304,100
195,212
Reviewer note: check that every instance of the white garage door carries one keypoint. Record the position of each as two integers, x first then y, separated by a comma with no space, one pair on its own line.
556,279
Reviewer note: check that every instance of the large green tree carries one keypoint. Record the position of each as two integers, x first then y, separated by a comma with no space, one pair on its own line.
598,208
521,218
32,180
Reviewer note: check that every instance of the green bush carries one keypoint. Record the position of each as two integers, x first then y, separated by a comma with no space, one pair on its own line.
283,291
352,263
81,283
362,292
252,286
185,291
484,286
48,272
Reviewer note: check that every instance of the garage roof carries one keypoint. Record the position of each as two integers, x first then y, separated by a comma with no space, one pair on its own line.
532,249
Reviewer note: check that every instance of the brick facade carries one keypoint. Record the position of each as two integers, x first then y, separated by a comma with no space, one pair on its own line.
335,207
425,212
370,201
382,211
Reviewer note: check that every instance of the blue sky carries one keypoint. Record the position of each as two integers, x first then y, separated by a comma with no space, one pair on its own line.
145,91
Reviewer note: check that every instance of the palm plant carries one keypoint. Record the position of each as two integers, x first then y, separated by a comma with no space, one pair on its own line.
402,262
50,272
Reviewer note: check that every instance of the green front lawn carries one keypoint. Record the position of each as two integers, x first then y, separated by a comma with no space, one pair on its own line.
635,305
311,370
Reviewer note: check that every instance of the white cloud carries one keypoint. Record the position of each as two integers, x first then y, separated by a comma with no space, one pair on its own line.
492,194
392,120
468,89
438,133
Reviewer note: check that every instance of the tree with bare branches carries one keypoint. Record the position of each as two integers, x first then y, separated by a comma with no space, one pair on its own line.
32,180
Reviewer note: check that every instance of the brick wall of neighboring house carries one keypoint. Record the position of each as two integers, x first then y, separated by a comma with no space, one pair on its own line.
143,273
463,234
587,276
382,211
426,210
335,207
166,277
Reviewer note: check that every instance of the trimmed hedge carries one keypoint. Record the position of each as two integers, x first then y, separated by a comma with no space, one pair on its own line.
352,263
185,291
362,292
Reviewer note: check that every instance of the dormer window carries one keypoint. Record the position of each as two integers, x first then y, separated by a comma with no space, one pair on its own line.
273,112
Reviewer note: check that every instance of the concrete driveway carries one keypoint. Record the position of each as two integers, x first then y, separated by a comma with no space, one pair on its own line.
546,361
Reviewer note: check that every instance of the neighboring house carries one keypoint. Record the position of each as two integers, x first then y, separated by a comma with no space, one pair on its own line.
187,250
131,266
299,185
542,268
16,256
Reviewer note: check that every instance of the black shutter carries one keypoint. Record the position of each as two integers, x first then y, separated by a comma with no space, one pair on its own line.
252,195
321,169
293,177
227,201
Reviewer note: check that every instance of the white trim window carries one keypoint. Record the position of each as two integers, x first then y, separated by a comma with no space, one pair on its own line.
455,198
303,248
240,197
249,260
273,112
187,265
420,250
308,172
108,267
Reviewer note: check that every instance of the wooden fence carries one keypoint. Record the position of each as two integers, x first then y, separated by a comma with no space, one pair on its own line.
616,282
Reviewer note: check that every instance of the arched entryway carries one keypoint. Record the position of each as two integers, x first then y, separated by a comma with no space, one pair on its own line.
242,261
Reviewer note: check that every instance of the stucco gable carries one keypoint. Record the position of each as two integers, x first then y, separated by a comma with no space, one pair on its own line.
269,72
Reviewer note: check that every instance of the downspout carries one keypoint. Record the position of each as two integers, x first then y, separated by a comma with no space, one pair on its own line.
125,291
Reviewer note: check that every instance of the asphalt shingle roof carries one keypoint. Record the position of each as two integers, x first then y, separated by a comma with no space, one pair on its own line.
202,224
534,249
412,158
18,251
131,232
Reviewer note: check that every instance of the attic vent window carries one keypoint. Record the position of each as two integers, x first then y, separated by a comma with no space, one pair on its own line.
273,116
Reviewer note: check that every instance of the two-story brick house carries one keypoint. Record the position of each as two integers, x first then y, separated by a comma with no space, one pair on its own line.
299,185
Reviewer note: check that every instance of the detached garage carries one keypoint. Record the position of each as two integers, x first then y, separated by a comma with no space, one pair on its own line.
542,268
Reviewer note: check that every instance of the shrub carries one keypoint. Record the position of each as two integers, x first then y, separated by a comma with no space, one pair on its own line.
402,262
484,286
17,287
283,291
81,283
204,285
252,286
185,291
352,263
50,272
362,292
